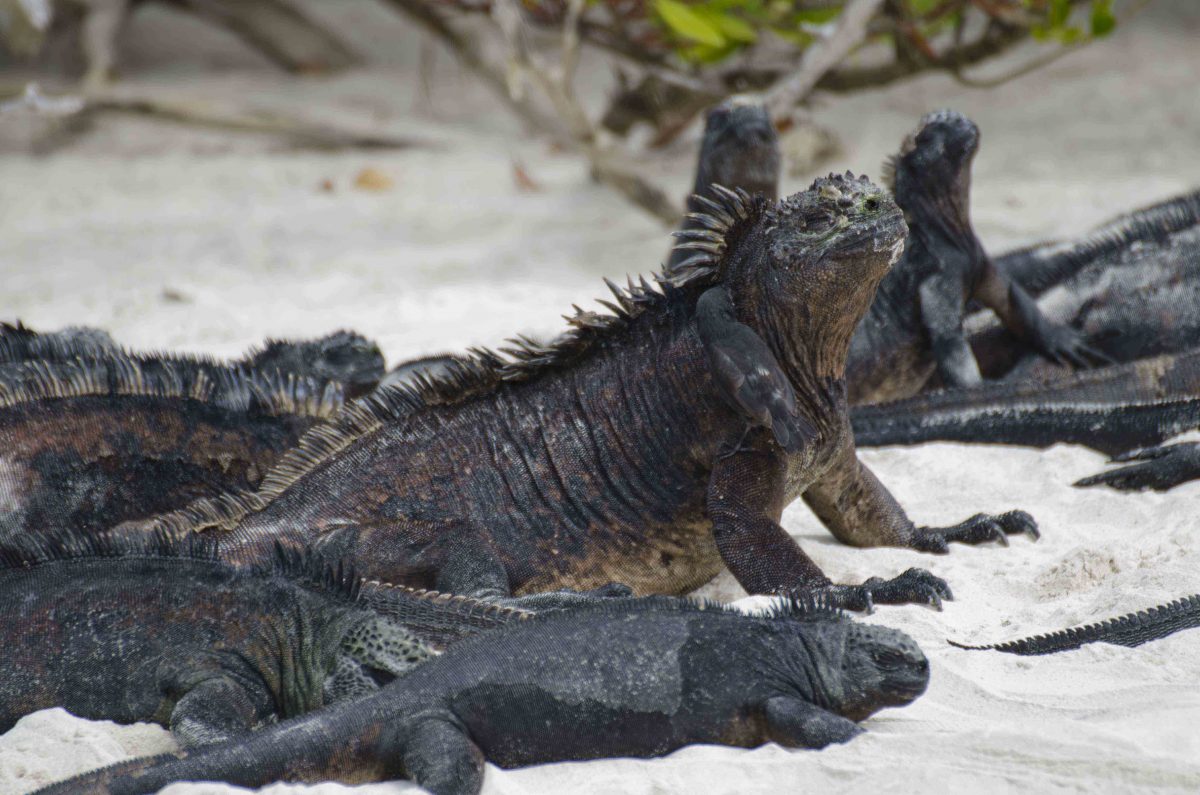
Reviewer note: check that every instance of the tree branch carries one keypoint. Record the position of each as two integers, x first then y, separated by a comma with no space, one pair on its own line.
822,56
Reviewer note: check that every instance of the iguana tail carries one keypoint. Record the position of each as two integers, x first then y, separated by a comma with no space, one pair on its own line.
1111,409
328,745
1132,629
1039,267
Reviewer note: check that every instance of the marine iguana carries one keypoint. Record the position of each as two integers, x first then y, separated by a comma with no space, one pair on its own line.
343,356
914,326
167,632
1123,410
1131,629
739,150
600,458
19,343
91,442
667,675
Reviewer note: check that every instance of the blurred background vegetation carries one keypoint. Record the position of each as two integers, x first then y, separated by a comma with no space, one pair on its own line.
670,59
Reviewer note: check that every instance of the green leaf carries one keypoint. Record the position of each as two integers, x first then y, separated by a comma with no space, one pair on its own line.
818,16
1103,20
688,24
732,28
1059,11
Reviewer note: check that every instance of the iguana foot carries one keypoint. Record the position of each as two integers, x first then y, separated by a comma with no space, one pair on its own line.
1161,468
915,586
1067,346
979,529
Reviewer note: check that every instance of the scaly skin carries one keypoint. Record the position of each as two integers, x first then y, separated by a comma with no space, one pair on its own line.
162,632
1041,266
89,443
915,325
1132,629
665,676
1117,410
604,457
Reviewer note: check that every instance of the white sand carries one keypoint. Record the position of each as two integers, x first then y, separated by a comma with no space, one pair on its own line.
455,255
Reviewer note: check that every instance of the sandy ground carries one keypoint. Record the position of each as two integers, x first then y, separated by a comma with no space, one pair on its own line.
175,238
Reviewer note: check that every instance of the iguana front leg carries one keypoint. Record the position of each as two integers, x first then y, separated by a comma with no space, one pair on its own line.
1020,314
794,723
746,496
860,511
941,307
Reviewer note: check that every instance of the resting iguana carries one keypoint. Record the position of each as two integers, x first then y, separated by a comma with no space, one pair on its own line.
636,679
1140,302
605,457
19,343
1123,410
167,632
88,443
915,324
1041,266
346,357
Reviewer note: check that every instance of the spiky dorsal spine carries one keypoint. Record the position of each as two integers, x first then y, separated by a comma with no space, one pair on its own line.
68,545
168,376
723,217
315,572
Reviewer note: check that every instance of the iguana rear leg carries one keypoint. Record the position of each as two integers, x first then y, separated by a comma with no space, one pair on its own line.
1158,468
746,496
439,756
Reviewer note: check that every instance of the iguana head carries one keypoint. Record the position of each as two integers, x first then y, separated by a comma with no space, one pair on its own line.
807,271
931,175
342,356
857,669
740,148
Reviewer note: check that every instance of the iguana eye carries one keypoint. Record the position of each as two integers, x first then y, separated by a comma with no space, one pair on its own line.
871,205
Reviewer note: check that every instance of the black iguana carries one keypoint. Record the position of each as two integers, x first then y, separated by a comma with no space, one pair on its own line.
604,457
664,674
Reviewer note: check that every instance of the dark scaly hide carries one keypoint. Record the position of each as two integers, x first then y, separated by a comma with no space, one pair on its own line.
91,442
595,458
668,673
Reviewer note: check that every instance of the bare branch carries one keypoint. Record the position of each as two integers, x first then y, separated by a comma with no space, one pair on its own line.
321,135
822,56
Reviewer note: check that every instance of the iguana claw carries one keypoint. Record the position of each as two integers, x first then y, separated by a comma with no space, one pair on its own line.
914,586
